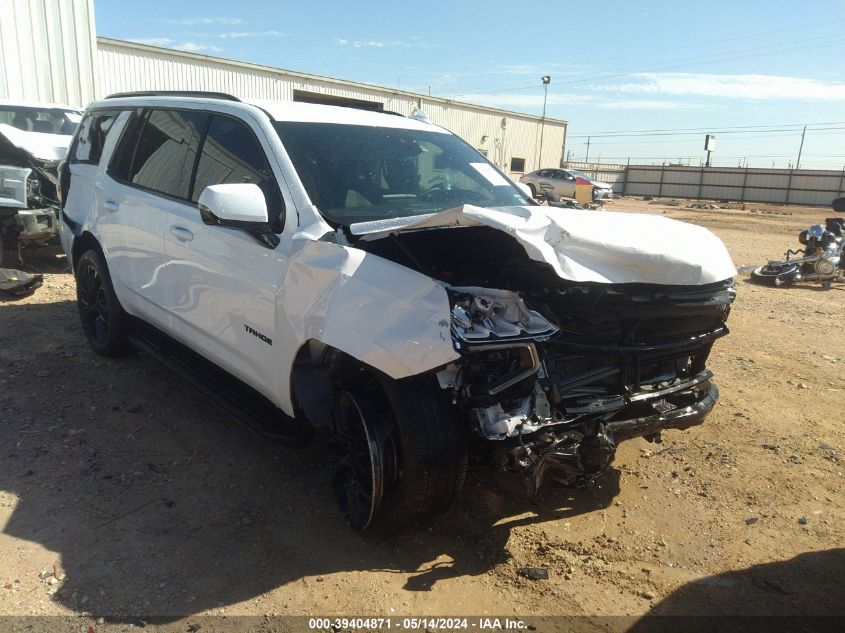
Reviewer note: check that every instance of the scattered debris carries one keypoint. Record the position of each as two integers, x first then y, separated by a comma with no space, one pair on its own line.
534,573
751,520
16,283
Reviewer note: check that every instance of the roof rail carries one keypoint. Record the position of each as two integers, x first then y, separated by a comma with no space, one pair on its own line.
175,93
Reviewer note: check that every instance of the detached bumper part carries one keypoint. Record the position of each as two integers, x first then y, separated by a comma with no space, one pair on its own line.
576,458
36,225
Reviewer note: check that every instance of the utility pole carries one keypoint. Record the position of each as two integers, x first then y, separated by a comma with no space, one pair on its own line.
801,148
546,79
587,157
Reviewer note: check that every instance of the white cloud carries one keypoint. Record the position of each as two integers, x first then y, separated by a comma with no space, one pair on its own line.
754,87
243,34
168,42
197,21
195,47
413,42
535,100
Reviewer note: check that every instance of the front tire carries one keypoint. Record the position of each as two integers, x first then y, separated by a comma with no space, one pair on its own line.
775,275
405,453
102,317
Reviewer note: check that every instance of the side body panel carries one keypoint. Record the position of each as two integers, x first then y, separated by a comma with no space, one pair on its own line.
385,315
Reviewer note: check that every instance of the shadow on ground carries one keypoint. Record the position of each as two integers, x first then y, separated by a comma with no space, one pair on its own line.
156,503
805,593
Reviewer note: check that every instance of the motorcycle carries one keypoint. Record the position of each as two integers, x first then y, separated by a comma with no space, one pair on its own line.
822,258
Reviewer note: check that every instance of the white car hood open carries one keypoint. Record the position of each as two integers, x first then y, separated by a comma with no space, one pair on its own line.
46,147
590,246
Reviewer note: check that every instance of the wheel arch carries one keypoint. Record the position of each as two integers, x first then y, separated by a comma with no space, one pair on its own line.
317,370
81,244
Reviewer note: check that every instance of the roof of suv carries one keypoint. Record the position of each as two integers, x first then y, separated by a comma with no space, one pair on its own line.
315,113
279,111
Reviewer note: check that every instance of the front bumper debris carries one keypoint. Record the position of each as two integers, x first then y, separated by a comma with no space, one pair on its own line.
36,225
577,457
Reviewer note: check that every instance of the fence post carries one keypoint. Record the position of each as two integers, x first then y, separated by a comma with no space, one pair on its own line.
660,186
789,185
700,182
744,181
841,184
625,181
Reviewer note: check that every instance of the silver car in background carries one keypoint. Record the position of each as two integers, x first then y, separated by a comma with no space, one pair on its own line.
561,183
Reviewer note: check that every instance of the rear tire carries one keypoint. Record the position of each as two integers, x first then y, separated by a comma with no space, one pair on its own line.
775,276
417,458
102,317
533,190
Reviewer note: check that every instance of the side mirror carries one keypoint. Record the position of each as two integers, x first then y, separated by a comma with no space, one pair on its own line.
230,205
839,205
238,206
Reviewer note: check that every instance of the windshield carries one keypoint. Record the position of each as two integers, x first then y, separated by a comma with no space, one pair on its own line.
357,173
45,120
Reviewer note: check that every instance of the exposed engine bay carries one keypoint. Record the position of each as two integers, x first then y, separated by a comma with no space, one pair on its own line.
554,373
28,188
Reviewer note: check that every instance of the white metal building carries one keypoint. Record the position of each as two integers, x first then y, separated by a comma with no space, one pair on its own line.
49,52
509,139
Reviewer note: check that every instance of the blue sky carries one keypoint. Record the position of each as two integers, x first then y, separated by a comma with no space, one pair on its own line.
753,72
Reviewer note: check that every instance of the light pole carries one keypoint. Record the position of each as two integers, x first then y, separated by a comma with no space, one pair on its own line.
547,79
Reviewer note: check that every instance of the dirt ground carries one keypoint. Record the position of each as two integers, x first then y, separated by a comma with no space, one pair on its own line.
124,493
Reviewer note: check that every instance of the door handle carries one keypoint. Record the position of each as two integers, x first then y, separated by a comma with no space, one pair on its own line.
181,233
110,205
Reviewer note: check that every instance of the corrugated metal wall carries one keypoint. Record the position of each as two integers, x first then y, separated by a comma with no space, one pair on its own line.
48,51
502,135
788,186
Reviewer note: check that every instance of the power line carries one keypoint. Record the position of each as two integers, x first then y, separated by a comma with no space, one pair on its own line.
758,51
710,129
727,57
496,89
719,41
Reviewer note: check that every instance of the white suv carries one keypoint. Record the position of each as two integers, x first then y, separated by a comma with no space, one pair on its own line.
316,266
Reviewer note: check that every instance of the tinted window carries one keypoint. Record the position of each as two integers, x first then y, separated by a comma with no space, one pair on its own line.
121,159
164,156
518,164
546,173
231,154
92,137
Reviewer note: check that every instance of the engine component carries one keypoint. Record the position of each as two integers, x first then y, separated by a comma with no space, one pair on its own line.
481,315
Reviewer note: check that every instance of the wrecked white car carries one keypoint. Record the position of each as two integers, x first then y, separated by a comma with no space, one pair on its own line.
34,137
372,274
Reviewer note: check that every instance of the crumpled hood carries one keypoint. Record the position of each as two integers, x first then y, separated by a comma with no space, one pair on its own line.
590,246
46,147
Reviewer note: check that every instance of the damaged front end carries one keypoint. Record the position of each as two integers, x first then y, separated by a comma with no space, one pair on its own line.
553,372
28,184
553,395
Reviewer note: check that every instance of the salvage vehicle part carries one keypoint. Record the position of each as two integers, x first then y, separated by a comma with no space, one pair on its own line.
16,283
822,258
33,139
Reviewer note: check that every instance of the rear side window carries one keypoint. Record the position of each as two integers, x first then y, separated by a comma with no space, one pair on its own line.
93,131
165,152
232,154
